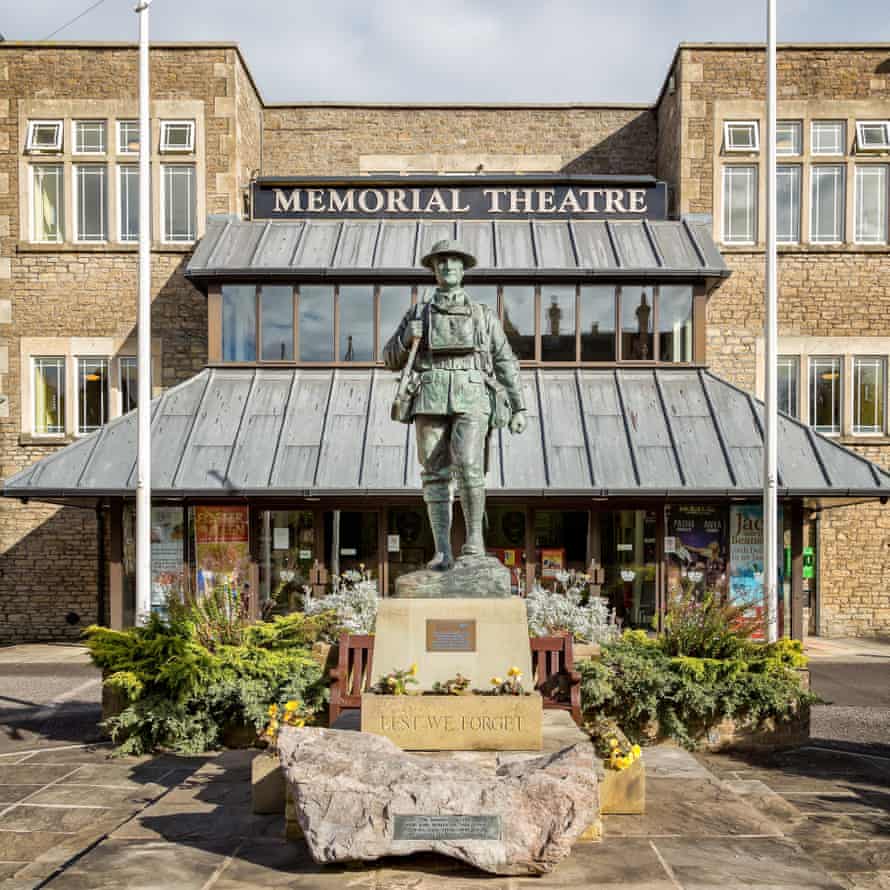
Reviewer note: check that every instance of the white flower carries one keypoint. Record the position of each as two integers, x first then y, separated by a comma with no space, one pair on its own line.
356,607
550,613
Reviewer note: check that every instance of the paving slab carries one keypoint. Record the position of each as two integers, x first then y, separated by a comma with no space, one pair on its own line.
672,762
197,821
59,794
741,864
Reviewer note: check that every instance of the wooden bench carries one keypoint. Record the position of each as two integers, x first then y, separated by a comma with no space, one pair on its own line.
553,668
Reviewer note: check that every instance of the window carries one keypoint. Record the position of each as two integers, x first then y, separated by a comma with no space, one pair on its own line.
356,307
178,203
128,137
787,383
873,135
487,295
129,369
519,319
675,323
789,138
868,395
828,138
741,136
316,323
827,204
239,322
871,204
636,324
44,136
394,302
128,196
89,137
49,396
177,136
48,200
598,323
277,322
89,203
788,203
740,205
92,394
825,395
558,323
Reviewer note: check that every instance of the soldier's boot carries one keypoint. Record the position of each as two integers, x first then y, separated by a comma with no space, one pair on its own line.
472,501
438,506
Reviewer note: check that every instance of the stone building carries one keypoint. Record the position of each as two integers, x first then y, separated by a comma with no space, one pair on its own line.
68,197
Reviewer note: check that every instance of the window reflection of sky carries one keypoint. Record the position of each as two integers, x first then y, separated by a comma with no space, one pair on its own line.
356,323
316,323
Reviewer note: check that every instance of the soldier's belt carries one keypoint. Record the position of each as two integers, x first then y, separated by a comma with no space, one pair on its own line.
450,363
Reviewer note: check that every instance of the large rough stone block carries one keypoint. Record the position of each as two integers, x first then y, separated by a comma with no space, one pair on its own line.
354,793
475,576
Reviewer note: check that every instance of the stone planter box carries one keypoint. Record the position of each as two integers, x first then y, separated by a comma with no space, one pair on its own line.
623,792
456,722
728,735
268,789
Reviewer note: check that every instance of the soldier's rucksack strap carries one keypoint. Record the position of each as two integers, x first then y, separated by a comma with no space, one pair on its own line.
480,333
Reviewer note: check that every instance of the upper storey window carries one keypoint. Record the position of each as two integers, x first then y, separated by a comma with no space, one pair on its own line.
548,324
873,135
177,136
741,136
828,138
789,138
44,136
128,137
89,137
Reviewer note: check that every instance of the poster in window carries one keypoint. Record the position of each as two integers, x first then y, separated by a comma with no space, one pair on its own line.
699,554
746,559
166,556
222,547
553,560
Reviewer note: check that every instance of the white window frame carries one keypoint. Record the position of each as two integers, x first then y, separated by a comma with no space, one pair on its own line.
76,205
119,235
813,368
64,377
122,362
163,204
861,142
797,142
31,148
753,211
60,209
80,152
791,361
843,140
881,363
121,142
861,169
842,191
165,146
77,401
729,145
781,168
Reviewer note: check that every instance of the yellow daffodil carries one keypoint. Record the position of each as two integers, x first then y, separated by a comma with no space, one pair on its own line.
413,669
613,742
636,751
273,710
496,681
390,681
291,706
514,672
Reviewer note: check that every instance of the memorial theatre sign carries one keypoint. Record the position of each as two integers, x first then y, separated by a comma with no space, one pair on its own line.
483,198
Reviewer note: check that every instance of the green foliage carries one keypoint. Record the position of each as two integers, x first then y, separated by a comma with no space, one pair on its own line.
639,683
182,694
294,630
706,628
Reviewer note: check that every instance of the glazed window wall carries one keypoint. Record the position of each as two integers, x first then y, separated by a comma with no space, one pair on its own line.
547,324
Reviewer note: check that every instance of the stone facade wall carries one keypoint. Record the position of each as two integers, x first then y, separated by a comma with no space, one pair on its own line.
48,555
328,140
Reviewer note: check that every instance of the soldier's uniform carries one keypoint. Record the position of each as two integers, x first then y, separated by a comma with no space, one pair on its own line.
466,382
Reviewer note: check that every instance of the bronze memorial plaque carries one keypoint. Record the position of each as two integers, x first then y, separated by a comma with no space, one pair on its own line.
449,635
447,828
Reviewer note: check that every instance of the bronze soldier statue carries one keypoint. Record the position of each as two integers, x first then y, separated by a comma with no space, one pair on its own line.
464,383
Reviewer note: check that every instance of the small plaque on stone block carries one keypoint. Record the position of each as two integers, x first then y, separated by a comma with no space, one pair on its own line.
450,636
447,828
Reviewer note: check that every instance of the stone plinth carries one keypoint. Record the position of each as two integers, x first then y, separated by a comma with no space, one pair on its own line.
479,638
471,576
358,797
455,722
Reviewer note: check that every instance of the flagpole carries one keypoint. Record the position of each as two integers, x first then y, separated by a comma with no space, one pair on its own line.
143,325
770,451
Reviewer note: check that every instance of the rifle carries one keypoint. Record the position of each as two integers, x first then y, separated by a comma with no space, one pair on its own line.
401,404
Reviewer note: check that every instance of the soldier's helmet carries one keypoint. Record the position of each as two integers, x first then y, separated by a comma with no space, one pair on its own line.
449,246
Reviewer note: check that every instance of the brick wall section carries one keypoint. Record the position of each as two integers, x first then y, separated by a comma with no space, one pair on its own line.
329,140
48,555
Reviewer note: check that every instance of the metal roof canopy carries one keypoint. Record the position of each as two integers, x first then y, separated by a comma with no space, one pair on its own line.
592,433
337,249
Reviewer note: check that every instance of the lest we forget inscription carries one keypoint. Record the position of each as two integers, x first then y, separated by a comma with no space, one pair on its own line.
450,635
447,828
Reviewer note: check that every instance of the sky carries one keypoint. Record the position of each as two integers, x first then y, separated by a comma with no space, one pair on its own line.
455,51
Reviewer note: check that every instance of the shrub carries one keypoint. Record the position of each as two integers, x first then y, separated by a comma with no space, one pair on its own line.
354,603
553,612
182,694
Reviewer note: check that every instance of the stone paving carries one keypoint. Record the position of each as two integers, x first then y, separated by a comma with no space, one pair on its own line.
72,819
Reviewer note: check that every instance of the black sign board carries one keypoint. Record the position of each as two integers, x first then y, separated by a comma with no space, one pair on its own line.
447,199
447,828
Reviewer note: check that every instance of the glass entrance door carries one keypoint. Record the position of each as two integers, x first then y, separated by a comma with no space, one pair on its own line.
287,553
629,558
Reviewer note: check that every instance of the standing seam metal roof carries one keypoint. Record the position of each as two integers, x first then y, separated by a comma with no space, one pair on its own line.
619,432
